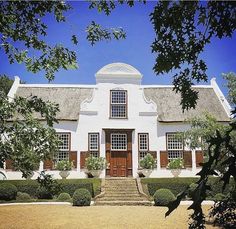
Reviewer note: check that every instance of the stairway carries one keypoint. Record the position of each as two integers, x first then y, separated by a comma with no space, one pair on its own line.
121,191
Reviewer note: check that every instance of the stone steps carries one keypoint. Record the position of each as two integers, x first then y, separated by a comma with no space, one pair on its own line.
119,192
123,203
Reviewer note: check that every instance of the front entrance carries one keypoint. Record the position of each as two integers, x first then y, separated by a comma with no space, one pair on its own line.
119,152
118,161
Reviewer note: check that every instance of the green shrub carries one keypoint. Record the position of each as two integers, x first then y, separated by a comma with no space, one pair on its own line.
68,186
219,196
177,163
81,197
95,163
8,191
177,185
23,196
43,193
64,197
163,196
191,190
148,162
64,165
27,186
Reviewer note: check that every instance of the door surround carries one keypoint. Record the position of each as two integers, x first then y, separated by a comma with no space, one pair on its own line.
119,161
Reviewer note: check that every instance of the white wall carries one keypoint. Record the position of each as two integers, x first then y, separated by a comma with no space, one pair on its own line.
94,116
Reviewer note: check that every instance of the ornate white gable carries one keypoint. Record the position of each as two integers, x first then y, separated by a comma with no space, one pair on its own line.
118,73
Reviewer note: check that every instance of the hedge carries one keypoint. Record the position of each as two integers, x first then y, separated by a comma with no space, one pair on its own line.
177,185
68,186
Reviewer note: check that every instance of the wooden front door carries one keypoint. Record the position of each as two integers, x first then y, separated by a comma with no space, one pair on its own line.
119,153
118,164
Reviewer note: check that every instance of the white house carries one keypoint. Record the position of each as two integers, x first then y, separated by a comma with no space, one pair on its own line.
122,120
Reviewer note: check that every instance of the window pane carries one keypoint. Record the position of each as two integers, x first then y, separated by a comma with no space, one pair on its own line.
118,97
143,142
175,154
174,146
118,104
64,138
61,155
174,142
142,154
93,141
118,110
118,141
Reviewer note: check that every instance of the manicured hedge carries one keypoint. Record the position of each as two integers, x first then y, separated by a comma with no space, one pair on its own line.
177,185
68,186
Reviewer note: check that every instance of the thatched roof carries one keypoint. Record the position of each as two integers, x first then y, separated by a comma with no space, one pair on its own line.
68,98
169,108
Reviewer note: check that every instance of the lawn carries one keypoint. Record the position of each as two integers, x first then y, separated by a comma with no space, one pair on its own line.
63,216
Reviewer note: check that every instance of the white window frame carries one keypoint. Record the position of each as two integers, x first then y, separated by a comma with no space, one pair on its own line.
143,151
118,148
63,151
93,151
177,148
114,102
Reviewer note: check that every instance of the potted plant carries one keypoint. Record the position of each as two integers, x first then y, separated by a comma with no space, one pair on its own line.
95,165
147,164
175,165
64,167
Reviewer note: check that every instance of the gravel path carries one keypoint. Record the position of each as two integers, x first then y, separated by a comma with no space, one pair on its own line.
64,216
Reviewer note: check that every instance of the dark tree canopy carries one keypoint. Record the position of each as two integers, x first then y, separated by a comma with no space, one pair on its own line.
5,84
183,29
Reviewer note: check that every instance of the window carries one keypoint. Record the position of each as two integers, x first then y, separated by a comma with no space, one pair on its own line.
118,141
93,146
64,147
118,108
174,146
143,145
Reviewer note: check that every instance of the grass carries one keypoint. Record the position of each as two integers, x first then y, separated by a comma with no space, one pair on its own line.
64,216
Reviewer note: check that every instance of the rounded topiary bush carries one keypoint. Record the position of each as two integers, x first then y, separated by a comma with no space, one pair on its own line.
23,196
219,196
43,193
163,196
81,197
64,197
191,190
8,191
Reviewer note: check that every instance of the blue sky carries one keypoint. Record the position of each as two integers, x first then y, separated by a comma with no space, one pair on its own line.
134,50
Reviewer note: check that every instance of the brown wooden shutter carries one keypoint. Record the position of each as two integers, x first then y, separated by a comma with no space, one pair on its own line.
154,154
9,164
187,155
199,157
48,164
163,159
83,156
73,158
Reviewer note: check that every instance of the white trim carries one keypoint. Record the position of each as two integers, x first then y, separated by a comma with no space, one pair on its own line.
15,85
221,97
172,86
59,85
148,113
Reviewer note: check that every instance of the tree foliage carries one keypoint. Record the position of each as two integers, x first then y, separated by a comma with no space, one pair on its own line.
25,140
5,84
231,84
183,29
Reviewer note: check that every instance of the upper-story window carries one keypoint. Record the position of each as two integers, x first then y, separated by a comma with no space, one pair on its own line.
175,145
64,147
118,106
93,145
